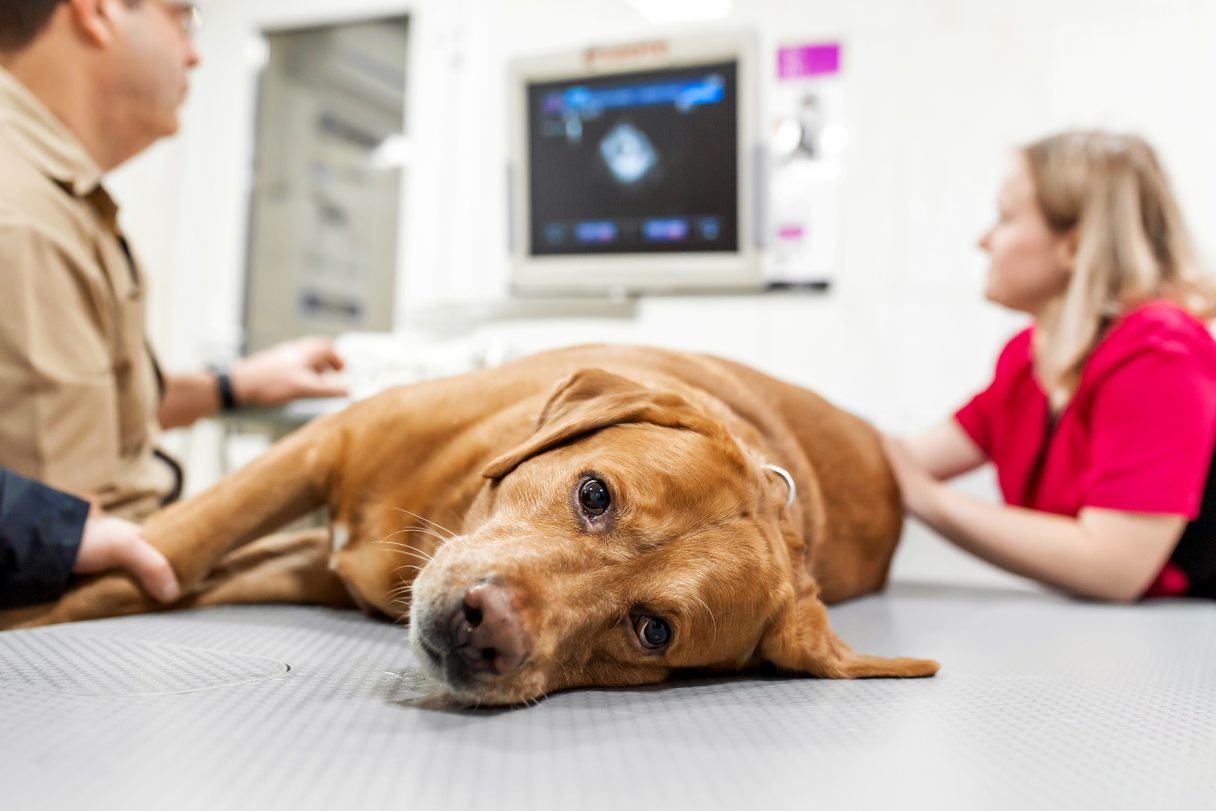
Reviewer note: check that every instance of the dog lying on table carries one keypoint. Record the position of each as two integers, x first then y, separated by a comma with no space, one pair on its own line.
599,515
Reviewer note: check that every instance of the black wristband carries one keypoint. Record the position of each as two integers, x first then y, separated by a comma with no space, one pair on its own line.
223,387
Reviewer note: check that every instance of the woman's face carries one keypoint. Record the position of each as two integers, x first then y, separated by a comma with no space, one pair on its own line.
1029,262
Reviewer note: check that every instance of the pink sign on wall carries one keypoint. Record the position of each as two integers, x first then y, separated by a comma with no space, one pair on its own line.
808,60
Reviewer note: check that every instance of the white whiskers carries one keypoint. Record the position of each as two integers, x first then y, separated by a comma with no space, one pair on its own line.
420,530
449,532
407,550
712,618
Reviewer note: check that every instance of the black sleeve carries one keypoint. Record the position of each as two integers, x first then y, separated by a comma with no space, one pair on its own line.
40,530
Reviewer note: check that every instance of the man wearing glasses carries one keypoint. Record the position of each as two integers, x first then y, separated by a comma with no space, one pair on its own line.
85,85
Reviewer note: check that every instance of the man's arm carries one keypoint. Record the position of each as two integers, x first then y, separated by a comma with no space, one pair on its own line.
283,373
188,397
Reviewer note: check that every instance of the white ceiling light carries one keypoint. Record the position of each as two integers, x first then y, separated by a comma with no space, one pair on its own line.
681,11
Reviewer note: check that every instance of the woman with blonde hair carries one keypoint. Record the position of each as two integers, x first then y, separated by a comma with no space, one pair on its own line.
1101,416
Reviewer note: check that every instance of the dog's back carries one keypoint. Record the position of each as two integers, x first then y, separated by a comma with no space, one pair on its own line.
853,538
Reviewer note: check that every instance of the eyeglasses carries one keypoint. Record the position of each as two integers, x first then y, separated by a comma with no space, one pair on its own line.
188,16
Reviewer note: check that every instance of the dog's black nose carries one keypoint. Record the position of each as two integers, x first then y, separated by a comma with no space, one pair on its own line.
488,634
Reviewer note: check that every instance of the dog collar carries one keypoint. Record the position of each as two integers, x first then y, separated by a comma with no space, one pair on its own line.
789,482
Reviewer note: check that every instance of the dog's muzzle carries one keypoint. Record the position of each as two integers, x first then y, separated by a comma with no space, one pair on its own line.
482,637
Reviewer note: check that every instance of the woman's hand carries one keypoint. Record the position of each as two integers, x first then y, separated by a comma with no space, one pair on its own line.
113,543
919,488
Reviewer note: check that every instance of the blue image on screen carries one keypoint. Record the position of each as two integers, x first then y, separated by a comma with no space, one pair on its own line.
635,163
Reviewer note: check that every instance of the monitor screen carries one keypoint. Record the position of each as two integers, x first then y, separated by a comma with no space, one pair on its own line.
641,162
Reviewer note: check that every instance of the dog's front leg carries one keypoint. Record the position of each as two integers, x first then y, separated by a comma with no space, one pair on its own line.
286,482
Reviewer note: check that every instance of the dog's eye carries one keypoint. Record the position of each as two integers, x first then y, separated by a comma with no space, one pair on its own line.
653,632
593,495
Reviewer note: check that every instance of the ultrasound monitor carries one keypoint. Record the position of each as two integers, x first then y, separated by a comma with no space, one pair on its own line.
635,168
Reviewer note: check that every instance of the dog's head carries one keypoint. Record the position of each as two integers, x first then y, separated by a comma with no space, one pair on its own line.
629,537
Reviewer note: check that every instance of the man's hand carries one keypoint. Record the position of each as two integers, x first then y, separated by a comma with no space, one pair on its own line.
286,372
112,543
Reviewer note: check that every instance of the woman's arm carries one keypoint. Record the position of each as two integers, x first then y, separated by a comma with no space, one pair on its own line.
945,451
1102,554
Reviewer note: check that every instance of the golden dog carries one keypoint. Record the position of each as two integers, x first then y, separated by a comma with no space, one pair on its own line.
617,514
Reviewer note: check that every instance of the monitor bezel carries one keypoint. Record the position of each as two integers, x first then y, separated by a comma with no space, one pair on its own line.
629,273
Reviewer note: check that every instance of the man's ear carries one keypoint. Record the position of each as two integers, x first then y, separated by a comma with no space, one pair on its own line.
799,640
94,19
592,399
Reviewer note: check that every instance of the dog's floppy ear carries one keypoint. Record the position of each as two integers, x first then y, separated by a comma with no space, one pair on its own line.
591,399
799,640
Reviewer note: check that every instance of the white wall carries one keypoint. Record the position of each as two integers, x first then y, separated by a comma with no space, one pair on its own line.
939,92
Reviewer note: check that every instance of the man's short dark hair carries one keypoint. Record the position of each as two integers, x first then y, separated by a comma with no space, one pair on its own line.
22,20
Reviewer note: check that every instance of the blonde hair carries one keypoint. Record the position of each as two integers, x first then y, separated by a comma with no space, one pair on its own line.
1132,246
